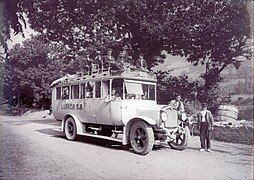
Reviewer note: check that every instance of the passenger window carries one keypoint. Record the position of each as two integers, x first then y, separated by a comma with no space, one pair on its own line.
65,92
105,88
151,93
58,93
89,89
97,89
83,91
145,91
74,91
117,86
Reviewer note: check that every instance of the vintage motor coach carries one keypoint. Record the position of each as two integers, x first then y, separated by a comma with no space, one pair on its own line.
119,106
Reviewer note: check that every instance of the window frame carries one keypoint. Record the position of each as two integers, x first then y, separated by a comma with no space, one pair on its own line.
63,87
60,93
100,89
72,88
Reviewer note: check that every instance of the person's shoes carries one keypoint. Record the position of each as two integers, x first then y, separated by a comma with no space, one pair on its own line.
201,150
209,150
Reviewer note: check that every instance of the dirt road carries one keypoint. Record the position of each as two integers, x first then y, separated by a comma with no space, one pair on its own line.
31,149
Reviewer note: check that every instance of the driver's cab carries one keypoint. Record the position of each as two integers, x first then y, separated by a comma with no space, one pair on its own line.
122,98
124,89
109,99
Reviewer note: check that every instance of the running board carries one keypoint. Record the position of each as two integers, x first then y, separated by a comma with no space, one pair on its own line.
101,137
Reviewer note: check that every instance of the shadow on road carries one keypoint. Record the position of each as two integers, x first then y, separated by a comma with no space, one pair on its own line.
25,122
88,140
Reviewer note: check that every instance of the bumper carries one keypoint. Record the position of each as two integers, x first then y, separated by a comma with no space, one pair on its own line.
165,134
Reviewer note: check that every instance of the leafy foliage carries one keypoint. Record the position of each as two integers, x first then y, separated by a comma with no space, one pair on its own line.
31,68
170,86
213,33
216,31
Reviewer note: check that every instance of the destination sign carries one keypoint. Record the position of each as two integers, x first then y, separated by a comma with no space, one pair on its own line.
71,106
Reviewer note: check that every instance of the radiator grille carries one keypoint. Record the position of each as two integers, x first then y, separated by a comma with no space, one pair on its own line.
172,118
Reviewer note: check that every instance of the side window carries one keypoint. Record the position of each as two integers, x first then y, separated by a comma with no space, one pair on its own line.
89,89
74,91
145,91
105,88
65,92
117,88
97,89
151,94
83,91
58,93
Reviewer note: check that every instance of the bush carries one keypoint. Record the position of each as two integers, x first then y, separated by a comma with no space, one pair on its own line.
242,135
246,114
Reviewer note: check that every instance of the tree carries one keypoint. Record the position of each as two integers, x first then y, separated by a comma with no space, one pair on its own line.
170,86
32,67
199,30
212,33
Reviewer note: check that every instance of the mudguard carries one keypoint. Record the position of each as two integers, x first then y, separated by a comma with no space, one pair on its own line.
79,125
130,122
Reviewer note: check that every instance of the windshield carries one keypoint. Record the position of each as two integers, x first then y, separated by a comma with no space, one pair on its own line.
137,90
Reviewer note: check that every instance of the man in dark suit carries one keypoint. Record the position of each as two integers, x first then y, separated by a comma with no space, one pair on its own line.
86,62
98,60
141,62
205,126
109,60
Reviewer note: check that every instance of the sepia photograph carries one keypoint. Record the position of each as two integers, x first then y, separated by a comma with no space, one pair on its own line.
126,89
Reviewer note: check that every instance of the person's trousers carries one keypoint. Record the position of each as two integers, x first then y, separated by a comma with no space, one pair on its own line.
205,135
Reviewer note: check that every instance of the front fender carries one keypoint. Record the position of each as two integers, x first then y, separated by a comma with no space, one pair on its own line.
129,123
79,125
144,118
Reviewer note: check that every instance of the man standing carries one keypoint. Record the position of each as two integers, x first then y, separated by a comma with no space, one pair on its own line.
205,126
141,62
86,63
177,104
109,60
98,60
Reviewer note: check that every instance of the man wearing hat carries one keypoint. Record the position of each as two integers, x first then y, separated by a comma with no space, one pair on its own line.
141,62
205,126
88,62
98,59
121,61
108,59
85,62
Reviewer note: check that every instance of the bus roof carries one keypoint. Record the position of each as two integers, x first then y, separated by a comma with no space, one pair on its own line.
130,74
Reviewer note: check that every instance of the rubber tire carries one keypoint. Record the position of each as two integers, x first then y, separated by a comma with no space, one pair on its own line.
69,136
105,132
184,143
149,140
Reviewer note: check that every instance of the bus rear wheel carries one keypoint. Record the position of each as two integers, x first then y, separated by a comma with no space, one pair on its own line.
141,138
70,129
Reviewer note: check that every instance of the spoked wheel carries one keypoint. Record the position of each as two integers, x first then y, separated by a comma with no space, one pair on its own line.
181,140
70,129
141,138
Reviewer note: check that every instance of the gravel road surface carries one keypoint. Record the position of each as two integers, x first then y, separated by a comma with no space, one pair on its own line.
31,149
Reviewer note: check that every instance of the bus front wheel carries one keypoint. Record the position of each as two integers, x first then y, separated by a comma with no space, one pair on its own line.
70,129
141,138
